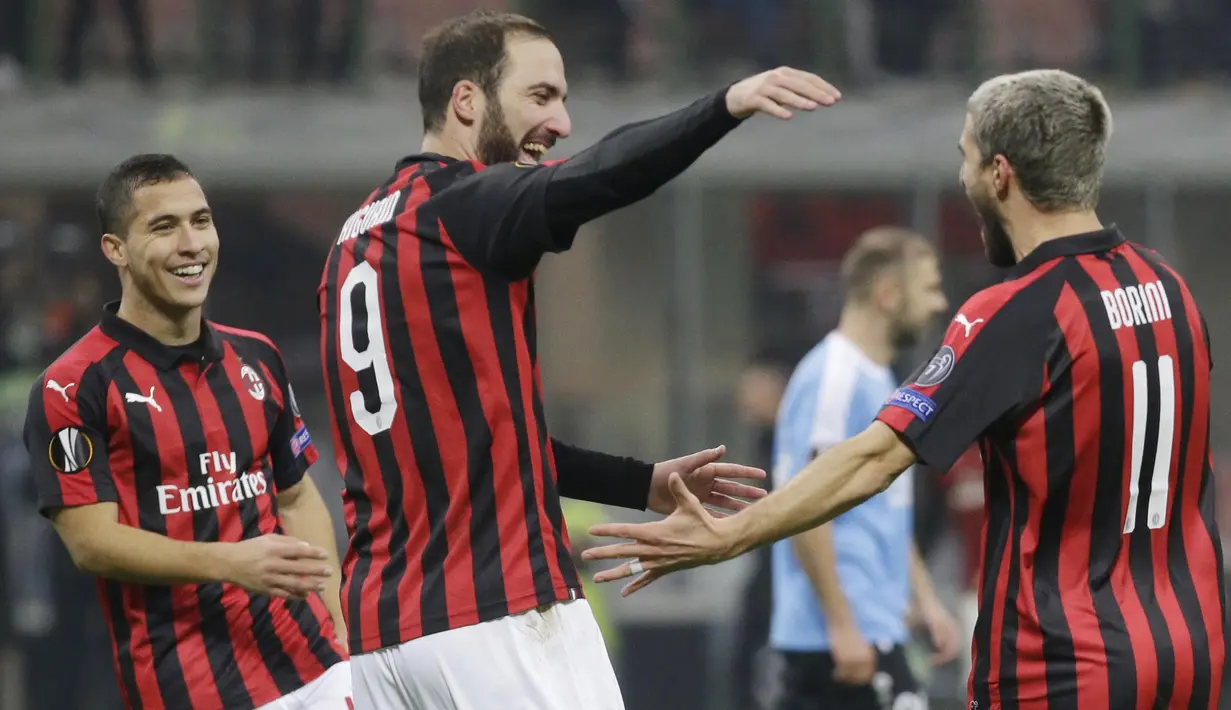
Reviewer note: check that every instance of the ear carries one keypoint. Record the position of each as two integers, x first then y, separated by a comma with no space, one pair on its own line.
115,249
467,101
888,292
1003,176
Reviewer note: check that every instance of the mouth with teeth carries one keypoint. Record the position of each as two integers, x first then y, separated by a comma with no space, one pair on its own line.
532,151
189,274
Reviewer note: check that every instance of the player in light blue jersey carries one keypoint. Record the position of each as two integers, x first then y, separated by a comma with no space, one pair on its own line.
843,591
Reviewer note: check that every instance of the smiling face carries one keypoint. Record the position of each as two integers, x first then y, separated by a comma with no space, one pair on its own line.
526,116
168,251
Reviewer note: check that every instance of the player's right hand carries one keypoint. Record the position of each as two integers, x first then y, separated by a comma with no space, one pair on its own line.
277,565
778,91
854,659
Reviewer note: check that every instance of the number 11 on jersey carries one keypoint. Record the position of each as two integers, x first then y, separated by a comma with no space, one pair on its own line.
1160,480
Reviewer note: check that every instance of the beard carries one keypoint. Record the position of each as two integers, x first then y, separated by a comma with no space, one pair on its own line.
496,143
997,246
905,336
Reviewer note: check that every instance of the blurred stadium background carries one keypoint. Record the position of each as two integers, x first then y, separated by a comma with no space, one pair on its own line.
668,326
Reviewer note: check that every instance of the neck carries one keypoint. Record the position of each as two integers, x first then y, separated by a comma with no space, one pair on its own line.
869,330
1028,233
445,143
178,329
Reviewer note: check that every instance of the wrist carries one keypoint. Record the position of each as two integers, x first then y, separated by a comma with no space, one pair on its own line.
727,110
842,624
737,534
215,561
927,601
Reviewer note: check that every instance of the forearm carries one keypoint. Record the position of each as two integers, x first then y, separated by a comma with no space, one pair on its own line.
307,519
634,161
592,476
815,551
836,481
920,580
117,551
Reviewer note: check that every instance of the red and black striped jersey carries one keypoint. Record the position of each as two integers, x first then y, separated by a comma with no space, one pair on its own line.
452,483
192,443
1085,380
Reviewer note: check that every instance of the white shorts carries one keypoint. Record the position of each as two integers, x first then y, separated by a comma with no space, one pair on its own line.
549,660
330,691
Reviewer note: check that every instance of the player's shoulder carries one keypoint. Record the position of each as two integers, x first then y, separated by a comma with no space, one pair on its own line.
1018,296
1156,261
989,301
78,361
249,343
807,372
497,174
1145,252
832,359
243,336
437,172
76,383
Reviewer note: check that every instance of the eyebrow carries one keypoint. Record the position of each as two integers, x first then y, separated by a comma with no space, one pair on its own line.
167,216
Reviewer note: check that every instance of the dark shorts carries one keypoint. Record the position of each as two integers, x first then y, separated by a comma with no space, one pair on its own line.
808,684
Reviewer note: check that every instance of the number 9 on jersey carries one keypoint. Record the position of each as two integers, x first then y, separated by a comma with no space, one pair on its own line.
373,355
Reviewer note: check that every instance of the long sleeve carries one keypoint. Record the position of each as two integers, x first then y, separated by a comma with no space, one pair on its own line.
602,478
505,217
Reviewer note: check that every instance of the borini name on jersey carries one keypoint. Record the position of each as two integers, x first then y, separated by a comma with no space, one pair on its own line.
1136,304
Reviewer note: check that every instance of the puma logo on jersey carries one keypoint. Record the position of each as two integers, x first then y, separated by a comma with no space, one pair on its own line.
961,320
1136,305
369,216
62,389
132,397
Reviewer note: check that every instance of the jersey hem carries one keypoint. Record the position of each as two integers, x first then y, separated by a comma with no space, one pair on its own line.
262,699
470,616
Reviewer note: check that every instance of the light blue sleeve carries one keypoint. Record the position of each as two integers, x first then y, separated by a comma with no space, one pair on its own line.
793,432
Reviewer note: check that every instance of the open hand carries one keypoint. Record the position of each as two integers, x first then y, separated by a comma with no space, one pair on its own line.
706,479
777,91
689,537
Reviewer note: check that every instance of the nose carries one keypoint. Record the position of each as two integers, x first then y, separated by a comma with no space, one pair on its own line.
559,123
191,241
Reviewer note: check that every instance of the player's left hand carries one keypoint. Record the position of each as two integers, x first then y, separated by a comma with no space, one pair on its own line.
708,480
779,91
689,537
942,630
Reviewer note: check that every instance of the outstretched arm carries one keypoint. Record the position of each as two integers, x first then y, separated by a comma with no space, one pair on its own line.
972,381
839,479
508,215
834,482
628,483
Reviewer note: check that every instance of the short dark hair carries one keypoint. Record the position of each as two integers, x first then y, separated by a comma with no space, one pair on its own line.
114,202
470,47
876,251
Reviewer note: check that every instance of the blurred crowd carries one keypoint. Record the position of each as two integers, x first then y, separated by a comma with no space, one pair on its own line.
50,618
1147,43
